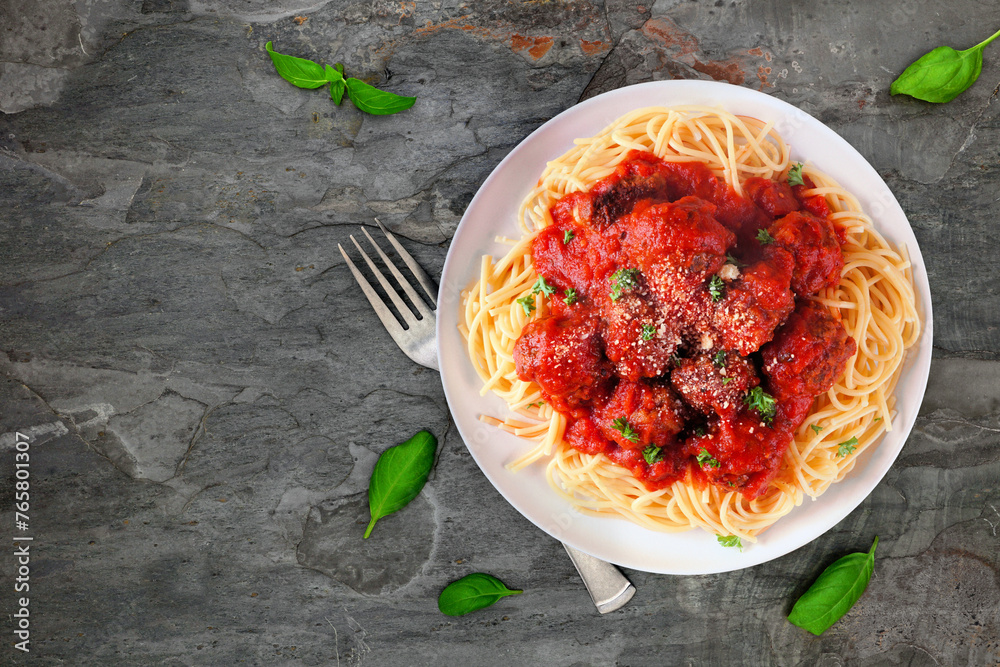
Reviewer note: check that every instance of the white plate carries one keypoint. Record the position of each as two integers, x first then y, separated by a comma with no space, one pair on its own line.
493,211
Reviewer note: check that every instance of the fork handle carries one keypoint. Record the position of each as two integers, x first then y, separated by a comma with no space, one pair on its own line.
608,588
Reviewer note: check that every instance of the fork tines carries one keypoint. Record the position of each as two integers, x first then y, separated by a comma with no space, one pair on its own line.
384,314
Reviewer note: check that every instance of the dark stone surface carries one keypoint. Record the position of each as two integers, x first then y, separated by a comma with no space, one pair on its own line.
206,392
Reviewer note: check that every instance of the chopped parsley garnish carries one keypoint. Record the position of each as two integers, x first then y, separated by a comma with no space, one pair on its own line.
647,331
846,447
878,419
570,296
726,380
624,280
719,358
795,174
816,429
730,541
707,460
622,426
567,236
764,237
675,360
761,401
700,431
735,262
652,454
528,303
715,288
542,286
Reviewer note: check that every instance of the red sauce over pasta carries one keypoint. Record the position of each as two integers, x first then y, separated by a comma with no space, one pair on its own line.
680,339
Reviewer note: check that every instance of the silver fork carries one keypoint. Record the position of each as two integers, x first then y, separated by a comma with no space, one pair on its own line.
608,588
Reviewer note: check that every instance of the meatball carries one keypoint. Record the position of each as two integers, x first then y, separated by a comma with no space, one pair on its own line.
813,243
808,354
564,356
752,307
714,383
684,229
640,414
774,197
637,338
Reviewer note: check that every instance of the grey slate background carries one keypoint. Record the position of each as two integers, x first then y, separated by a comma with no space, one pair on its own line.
207,392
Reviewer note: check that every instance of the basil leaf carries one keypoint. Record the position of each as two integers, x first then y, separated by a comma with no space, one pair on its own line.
399,475
835,591
297,71
471,592
334,74
337,89
943,74
337,85
374,101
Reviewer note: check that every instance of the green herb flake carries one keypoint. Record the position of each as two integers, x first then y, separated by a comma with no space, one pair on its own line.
846,447
795,174
528,303
472,592
834,592
622,426
719,359
706,460
816,429
399,475
716,288
700,431
543,287
730,541
652,454
623,280
569,296
648,330
568,236
761,401
942,74
735,262
726,380
764,237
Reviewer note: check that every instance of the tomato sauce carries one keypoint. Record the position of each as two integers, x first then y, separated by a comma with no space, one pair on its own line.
681,341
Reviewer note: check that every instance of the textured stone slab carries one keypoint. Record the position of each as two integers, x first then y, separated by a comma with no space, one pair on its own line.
207,392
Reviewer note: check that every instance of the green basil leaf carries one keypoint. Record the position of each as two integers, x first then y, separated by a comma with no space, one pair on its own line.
374,101
399,475
337,84
471,592
943,74
334,74
337,89
835,591
297,71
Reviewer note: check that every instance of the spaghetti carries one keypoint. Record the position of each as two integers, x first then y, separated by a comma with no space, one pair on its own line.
874,301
